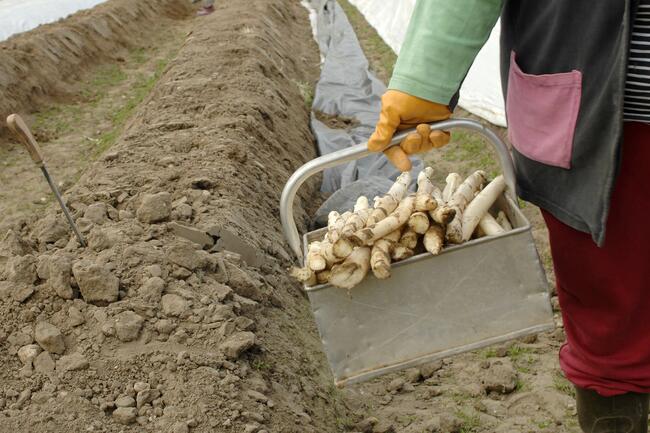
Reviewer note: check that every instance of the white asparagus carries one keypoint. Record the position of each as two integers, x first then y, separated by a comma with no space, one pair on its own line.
453,182
386,204
358,219
392,222
401,252
334,230
489,226
459,200
479,206
380,254
423,199
342,247
315,260
304,275
409,239
327,251
323,277
503,221
353,270
443,213
434,238
419,222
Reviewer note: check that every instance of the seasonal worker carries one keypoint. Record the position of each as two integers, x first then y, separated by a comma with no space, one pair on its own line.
576,81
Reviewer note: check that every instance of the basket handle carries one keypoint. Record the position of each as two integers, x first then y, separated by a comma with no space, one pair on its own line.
361,150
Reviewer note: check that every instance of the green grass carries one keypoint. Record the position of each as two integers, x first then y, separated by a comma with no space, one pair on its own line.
135,95
543,424
489,353
260,365
138,56
406,420
521,385
562,384
380,56
307,92
516,352
471,148
470,422
57,120
102,81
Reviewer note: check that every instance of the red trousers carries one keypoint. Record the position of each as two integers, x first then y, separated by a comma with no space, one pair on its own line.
604,292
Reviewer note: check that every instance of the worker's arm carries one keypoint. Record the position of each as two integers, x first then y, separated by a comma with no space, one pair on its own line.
442,40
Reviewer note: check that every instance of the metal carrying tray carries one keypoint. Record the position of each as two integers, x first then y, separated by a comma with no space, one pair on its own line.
479,293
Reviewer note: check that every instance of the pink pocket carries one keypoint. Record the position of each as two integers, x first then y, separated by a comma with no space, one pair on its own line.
542,112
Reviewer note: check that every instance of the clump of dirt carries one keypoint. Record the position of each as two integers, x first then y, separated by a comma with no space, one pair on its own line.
43,65
143,330
336,121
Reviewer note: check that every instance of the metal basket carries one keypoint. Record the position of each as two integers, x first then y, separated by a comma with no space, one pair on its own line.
472,295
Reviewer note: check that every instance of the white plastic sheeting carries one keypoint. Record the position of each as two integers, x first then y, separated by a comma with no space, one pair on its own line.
17,16
481,91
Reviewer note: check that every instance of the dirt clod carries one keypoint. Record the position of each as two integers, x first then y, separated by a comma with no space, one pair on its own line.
75,317
44,363
96,283
28,353
237,344
51,229
152,289
21,270
174,305
128,325
501,377
427,370
155,207
49,337
125,401
75,361
59,273
96,213
125,415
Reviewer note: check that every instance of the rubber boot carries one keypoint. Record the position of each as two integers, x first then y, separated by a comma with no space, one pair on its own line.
625,413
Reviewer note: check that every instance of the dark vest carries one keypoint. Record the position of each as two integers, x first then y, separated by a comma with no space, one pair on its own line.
565,102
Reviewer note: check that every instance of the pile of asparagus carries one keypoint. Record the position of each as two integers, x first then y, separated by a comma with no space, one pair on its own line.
399,225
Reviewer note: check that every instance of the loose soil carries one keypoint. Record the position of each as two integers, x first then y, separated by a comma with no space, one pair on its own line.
76,82
335,121
147,332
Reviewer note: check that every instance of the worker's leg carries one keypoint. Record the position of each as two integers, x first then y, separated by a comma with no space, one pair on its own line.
624,413
605,292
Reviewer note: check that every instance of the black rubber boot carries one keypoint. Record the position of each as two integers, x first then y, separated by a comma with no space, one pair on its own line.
625,413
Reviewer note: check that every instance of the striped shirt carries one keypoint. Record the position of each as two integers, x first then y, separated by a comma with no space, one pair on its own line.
637,84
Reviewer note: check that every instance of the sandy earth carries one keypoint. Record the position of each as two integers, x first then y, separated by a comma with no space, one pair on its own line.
145,331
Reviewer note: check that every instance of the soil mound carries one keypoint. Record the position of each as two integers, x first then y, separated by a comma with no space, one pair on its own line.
42,65
144,330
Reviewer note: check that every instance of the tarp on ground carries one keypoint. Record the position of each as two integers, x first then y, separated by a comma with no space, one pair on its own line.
346,88
481,91
17,16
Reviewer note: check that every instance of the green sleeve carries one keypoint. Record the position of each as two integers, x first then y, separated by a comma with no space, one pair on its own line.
442,40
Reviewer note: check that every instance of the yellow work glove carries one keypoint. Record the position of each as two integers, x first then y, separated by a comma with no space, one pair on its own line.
401,111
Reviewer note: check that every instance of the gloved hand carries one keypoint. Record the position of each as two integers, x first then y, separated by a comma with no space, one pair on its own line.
401,111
